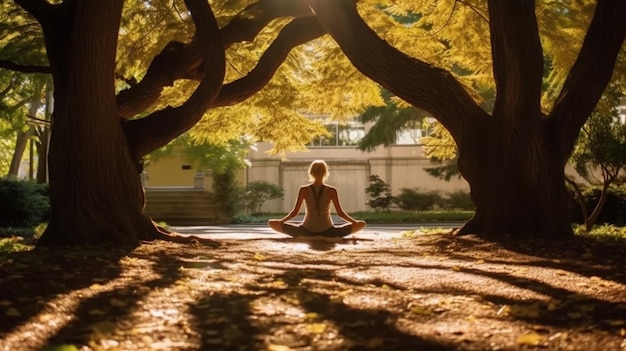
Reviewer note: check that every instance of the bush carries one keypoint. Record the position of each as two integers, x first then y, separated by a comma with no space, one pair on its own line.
413,200
256,193
614,211
227,194
458,200
23,203
413,217
380,192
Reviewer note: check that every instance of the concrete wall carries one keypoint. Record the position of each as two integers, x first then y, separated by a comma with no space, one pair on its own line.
399,166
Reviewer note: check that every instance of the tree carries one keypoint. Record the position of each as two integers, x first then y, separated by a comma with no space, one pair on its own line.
97,140
513,158
257,193
380,192
601,146
21,95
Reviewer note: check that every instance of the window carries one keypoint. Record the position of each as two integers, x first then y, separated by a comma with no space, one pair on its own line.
342,134
413,131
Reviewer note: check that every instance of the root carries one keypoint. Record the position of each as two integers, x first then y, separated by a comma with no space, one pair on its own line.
158,232
177,238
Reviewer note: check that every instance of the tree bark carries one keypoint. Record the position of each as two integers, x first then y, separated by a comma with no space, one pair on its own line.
94,195
516,184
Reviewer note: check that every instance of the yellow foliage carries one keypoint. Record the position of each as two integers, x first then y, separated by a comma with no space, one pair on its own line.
317,78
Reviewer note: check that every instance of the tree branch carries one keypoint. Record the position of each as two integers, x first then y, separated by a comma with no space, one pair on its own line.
257,15
159,128
12,66
297,32
517,59
590,74
183,61
38,8
422,85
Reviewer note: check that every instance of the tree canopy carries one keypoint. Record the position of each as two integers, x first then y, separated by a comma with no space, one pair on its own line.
159,69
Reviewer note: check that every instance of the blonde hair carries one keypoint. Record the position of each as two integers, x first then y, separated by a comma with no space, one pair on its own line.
318,169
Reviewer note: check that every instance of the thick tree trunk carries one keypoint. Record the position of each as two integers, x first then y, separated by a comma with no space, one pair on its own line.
517,184
95,190
95,194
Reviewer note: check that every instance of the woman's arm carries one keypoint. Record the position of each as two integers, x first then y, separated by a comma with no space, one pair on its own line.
296,207
334,198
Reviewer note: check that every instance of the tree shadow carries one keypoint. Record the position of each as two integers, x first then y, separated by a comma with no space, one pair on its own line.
113,307
30,280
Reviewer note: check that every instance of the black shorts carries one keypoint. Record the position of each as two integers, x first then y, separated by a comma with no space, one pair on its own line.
297,230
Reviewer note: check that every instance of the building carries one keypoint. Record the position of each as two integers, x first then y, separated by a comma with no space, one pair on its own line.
401,166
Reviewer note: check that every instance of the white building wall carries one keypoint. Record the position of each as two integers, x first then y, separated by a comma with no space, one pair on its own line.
399,166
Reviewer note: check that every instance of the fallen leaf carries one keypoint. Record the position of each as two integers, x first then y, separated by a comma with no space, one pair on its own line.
259,257
503,311
279,284
273,347
532,339
419,310
311,315
316,328
103,328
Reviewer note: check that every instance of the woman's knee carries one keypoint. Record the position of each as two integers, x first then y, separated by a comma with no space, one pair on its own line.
358,225
275,224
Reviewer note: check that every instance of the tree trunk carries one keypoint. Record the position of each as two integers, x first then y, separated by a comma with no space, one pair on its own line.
42,154
95,193
516,182
20,146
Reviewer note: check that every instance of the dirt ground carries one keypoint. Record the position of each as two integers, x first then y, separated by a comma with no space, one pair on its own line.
418,292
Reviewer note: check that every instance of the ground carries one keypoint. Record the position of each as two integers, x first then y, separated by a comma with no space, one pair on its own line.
413,292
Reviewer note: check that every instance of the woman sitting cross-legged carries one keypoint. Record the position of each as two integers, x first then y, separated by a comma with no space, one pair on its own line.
317,197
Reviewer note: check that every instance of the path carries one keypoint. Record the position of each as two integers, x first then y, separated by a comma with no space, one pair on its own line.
261,231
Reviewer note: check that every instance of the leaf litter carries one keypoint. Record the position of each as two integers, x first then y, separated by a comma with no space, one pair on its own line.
423,292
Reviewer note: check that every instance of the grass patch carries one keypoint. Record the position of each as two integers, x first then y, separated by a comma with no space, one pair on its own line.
602,231
13,244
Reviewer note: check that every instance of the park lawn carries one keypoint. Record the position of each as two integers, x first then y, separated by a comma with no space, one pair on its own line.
417,292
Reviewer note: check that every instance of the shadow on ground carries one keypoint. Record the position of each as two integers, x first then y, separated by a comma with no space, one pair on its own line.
427,292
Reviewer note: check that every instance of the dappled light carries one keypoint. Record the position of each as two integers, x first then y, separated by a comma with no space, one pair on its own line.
431,291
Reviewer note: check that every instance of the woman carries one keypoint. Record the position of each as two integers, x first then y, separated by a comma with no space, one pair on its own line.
317,198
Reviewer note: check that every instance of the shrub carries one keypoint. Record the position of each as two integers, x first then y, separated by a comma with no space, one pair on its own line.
413,200
256,193
23,203
227,193
458,200
614,211
380,192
